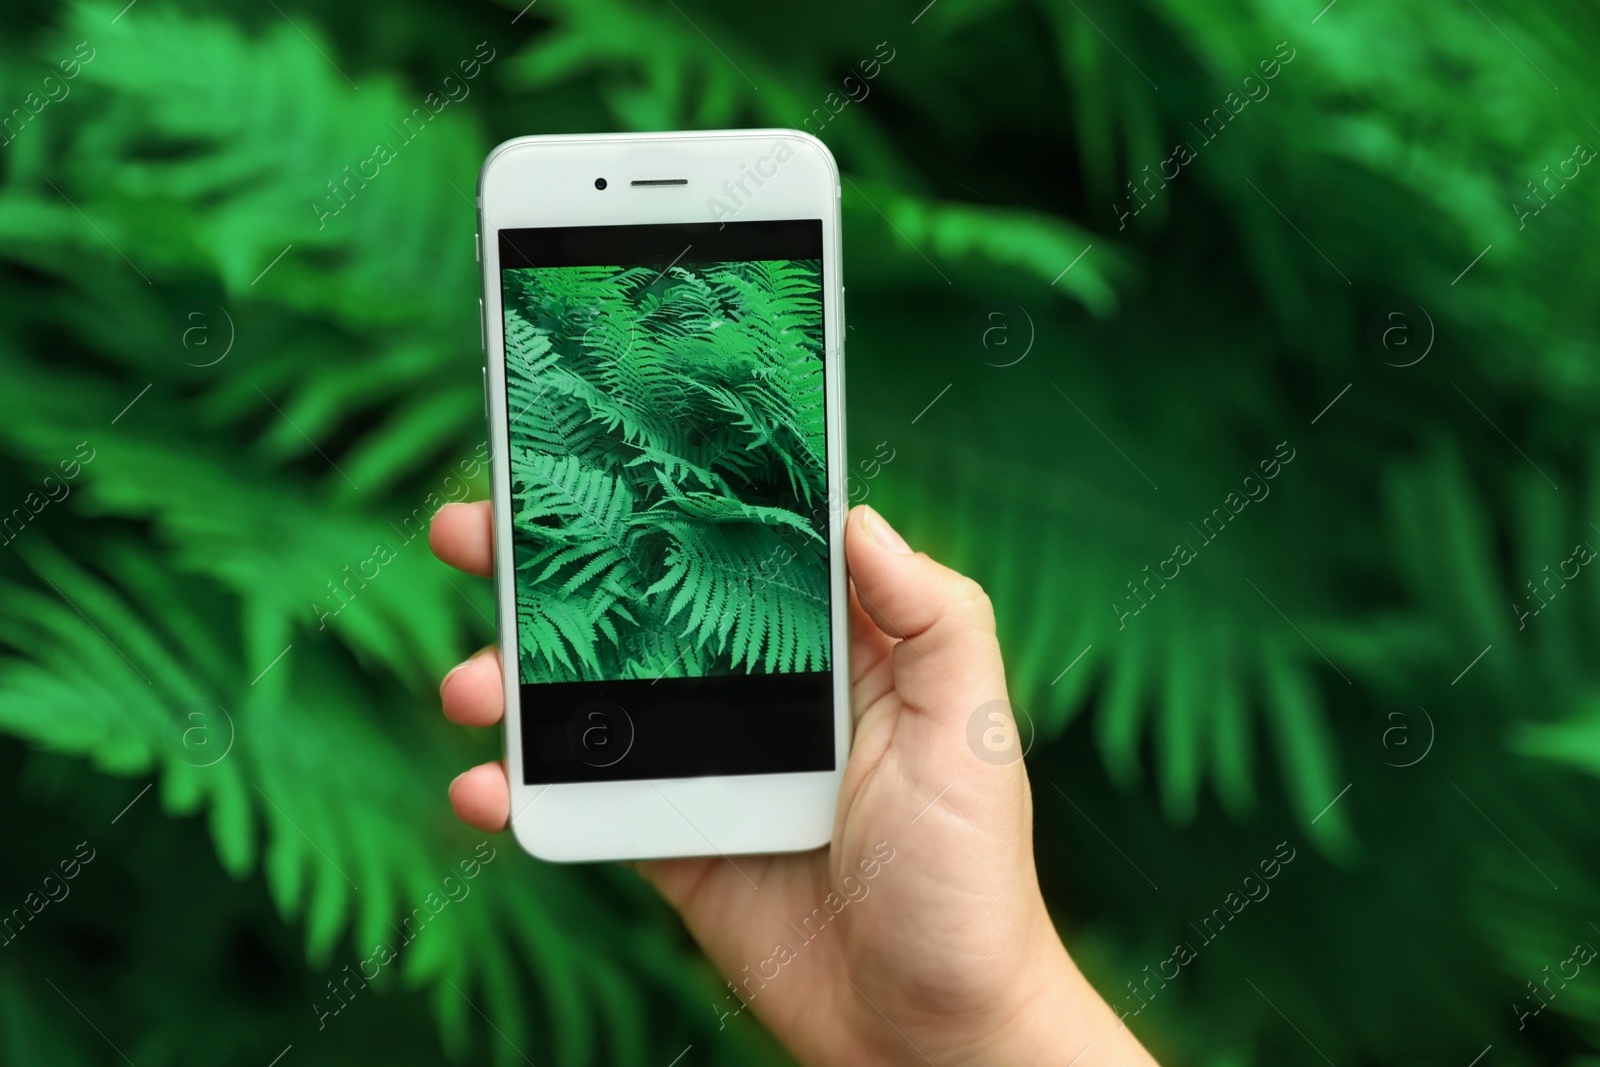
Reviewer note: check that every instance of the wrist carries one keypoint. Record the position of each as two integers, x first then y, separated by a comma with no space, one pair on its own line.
1056,1017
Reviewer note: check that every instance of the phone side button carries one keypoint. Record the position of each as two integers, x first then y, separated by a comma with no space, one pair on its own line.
485,372
483,328
477,248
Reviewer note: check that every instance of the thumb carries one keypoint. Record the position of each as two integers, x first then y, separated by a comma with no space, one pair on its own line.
947,662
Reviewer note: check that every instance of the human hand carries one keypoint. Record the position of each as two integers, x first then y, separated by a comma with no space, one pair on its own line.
945,953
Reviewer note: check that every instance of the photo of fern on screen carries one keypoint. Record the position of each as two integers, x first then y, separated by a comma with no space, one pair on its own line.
668,469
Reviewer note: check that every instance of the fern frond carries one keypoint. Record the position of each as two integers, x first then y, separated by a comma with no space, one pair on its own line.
722,508
746,582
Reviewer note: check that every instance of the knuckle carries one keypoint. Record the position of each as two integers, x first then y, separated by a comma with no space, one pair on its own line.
972,603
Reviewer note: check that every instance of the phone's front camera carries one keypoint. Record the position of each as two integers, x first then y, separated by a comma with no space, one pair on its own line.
599,183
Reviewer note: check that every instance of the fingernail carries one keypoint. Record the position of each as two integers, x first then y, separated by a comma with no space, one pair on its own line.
446,679
882,532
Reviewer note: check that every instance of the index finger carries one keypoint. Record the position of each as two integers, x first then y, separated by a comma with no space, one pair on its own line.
462,535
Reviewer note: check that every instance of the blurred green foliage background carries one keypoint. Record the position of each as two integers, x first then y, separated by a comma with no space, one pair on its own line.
269,389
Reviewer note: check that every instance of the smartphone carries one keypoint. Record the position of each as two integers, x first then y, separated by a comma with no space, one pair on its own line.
663,329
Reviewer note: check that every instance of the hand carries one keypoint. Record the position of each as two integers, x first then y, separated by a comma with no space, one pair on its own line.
946,954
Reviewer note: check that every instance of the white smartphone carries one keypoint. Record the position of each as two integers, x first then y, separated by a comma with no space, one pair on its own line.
663,329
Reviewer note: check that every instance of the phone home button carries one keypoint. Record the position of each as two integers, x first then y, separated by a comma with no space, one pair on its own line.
600,733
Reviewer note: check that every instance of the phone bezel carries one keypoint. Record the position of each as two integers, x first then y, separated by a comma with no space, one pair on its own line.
550,181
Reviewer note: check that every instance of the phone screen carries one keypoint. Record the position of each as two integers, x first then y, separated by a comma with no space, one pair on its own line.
669,499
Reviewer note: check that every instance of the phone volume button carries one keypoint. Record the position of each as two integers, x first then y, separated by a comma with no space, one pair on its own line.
485,372
483,328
